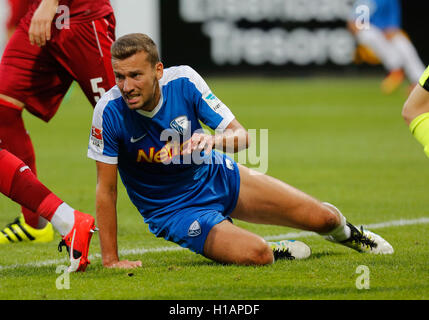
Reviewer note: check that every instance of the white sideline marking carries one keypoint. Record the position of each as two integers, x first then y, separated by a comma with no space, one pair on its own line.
395,223
291,235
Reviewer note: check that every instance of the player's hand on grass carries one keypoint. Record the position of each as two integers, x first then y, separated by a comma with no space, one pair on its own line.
40,27
124,264
200,142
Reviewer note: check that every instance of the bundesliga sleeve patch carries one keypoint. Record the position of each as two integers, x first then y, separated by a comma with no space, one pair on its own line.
220,108
213,101
97,138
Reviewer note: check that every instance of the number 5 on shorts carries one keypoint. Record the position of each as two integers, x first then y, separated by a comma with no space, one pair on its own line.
96,89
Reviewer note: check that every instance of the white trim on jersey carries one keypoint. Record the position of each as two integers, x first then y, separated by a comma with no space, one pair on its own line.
151,114
110,95
173,73
95,150
102,158
225,122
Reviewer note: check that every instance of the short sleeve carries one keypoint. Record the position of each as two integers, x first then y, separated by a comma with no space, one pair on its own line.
103,141
210,109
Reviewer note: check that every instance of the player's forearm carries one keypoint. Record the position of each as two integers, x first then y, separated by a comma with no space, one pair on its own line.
41,23
107,224
232,140
51,3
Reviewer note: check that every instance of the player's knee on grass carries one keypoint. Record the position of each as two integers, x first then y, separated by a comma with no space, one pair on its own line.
260,254
329,219
253,255
238,249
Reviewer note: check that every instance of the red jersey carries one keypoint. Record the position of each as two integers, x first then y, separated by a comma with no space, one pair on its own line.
80,10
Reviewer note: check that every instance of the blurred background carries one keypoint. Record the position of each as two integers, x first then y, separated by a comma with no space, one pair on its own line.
285,37
277,36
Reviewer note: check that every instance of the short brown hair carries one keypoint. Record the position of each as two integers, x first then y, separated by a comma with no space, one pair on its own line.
130,44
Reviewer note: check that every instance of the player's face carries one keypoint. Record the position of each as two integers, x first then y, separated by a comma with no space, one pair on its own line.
137,80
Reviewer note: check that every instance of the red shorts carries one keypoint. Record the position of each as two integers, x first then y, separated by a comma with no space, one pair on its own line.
40,77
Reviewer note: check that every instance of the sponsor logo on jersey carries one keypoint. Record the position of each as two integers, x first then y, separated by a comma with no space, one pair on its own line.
164,155
195,229
180,124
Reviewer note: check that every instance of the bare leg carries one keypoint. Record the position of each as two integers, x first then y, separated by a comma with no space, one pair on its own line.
266,200
227,243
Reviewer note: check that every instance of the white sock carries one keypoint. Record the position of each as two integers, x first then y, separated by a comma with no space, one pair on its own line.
383,48
413,66
63,219
340,233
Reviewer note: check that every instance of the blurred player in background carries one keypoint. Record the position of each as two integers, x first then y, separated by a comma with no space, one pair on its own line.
17,9
19,184
384,36
53,45
416,111
146,128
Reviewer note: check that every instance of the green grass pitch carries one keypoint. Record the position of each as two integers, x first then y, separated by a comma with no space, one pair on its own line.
339,140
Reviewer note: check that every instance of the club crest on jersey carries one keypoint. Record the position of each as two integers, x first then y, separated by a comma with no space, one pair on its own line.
194,229
180,124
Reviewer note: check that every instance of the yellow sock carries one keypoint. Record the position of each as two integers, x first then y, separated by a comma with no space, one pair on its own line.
420,129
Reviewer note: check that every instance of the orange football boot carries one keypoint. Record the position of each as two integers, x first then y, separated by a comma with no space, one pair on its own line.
77,241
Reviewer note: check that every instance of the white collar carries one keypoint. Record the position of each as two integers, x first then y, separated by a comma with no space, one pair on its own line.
151,114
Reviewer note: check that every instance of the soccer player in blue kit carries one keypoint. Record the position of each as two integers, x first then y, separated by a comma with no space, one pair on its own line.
192,203
384,35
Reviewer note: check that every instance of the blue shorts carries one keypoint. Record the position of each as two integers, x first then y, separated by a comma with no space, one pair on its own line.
384,14
189,224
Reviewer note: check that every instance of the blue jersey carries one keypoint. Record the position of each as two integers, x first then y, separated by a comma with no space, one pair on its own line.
139,142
